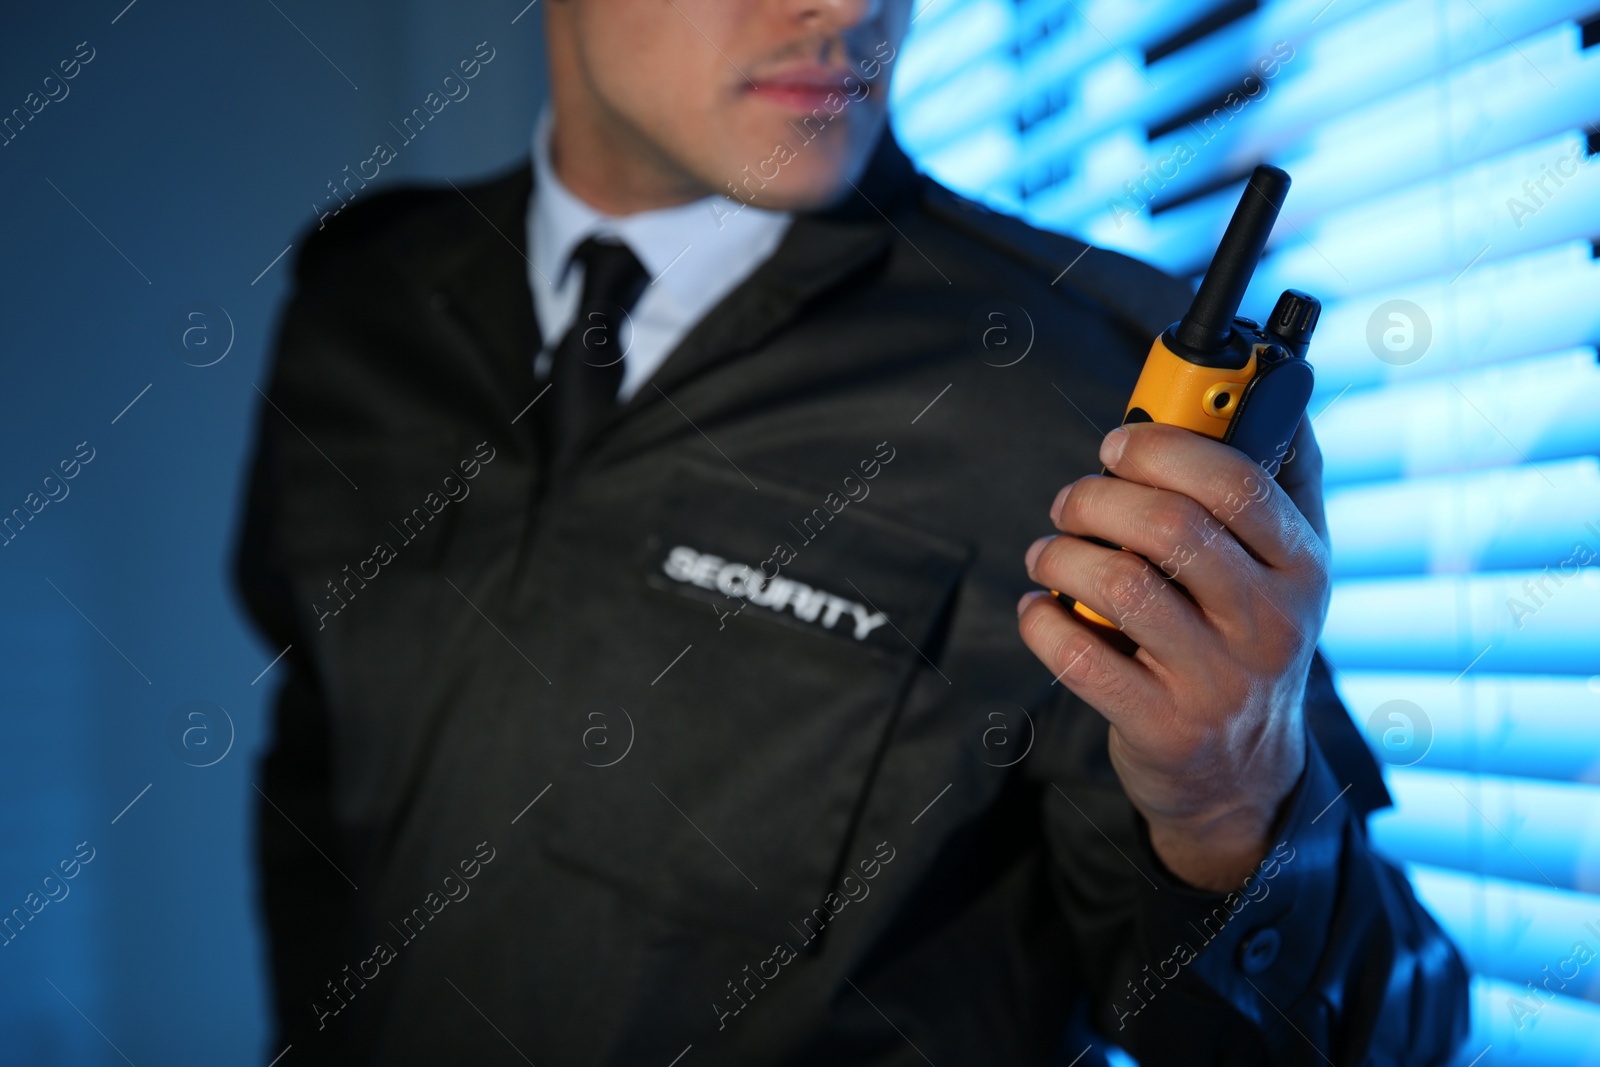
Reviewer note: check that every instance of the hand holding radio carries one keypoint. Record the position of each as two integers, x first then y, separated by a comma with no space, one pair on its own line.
1216,577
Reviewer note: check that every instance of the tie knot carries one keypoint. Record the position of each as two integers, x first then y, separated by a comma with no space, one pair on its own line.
612,274
587,367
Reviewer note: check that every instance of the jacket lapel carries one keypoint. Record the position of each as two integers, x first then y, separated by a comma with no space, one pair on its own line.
820,251
482,274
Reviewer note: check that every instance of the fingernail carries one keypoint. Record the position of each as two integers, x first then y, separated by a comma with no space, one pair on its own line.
1061,502
1111,448
1027,598
1033,552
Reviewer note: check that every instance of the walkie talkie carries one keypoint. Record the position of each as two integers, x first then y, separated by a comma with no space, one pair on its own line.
1227,377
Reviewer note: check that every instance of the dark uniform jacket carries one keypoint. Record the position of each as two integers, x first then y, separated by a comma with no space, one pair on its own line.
719,742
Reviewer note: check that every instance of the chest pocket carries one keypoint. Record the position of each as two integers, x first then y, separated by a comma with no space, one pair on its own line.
775,634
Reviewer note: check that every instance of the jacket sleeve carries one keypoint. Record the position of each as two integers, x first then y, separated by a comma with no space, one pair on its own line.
304,898
1323,956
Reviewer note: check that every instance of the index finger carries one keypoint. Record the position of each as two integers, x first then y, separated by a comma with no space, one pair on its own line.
1237,492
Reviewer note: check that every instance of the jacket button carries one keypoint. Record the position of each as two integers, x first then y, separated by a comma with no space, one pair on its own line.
1259,951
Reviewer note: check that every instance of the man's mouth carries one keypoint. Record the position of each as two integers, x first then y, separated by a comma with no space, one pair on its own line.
804,89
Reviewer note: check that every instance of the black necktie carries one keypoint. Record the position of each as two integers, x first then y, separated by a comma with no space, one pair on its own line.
586,370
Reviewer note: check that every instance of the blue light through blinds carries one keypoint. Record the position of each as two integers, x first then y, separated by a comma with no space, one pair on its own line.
1446,208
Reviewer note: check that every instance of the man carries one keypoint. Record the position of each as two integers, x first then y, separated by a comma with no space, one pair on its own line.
646,525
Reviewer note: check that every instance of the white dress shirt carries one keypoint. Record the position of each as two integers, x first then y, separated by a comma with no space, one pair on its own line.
695,254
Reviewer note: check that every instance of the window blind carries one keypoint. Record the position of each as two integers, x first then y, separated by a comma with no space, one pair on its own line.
1446,209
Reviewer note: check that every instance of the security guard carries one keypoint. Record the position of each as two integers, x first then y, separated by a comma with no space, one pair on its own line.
645,527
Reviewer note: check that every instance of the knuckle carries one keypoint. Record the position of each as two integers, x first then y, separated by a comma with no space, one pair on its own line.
1073,654
1209,530
1098,671
1243,485
1319,574
1306,556
1174,521
1316,555
1076,659
1318,585
1057,644
1278,643
1155,435
1129,585
1275,635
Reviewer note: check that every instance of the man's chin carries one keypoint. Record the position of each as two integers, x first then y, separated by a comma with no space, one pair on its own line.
810,198
795,183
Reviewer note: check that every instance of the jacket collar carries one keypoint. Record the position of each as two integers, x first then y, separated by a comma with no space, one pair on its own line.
483,271
820,251
478,271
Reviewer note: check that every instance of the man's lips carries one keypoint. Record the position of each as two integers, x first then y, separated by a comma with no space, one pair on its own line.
805,90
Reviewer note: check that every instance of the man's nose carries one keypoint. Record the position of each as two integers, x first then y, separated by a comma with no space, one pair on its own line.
833,14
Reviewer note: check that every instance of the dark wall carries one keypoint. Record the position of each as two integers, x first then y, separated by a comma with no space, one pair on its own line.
160,183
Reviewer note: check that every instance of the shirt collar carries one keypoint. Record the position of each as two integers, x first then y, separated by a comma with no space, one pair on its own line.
714,233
